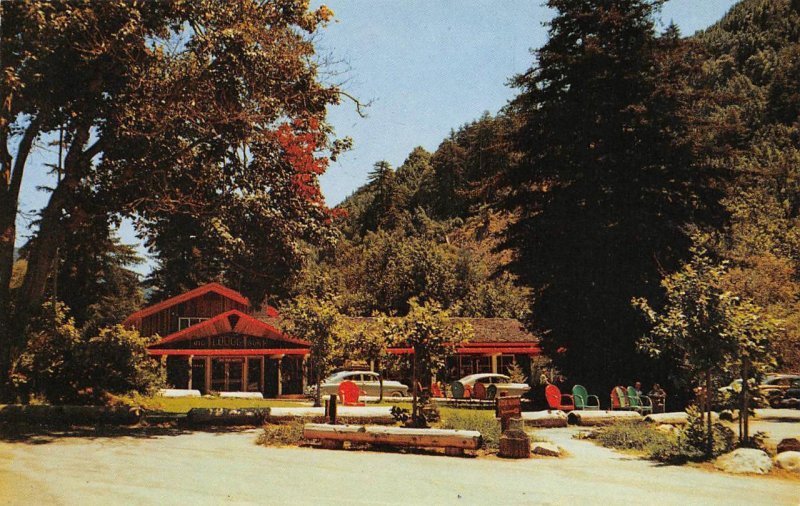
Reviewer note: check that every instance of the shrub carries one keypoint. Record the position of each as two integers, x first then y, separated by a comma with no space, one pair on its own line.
633,436
690,444
482,421
283,434
63,366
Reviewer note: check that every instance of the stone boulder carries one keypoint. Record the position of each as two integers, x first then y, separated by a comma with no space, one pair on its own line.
546,449
789,461
744,460
789,444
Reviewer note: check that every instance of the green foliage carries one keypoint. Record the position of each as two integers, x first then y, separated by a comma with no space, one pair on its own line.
606,181
702,326
516,373
206,110
50,365
635,436
690,444
318,321
428,329
65,366
287,433
467,419
116,361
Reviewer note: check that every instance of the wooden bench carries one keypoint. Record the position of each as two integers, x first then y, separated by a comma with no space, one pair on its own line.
453,441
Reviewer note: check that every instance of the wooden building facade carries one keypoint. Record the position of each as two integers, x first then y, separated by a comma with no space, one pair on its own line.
215,341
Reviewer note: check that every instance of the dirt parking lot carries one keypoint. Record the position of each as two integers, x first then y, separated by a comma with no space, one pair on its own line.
227,467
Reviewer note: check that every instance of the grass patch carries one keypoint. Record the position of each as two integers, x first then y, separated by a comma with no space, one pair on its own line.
287,433
483,421
638,437
184,404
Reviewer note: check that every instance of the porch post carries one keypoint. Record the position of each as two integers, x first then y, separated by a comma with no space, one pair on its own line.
189,386
208,374
304,371
280,378
261,379
494,364
244,375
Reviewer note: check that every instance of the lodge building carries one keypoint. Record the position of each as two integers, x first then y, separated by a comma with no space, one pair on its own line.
214,340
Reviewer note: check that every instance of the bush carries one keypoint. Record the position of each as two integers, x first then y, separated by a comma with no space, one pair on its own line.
634,436
482,421
283,434
63,366
690,444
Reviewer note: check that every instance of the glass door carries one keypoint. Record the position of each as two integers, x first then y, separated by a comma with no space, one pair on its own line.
226,374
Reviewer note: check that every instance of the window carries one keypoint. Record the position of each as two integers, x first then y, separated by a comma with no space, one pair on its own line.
184,322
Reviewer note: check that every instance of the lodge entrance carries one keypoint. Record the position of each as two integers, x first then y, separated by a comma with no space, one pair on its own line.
227,374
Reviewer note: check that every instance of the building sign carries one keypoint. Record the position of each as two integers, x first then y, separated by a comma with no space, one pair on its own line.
236,342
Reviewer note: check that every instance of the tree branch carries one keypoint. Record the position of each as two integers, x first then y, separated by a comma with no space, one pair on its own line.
359,105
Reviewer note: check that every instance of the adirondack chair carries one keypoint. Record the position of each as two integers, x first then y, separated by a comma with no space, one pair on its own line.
479,391
458,389
491,392
555,399
349,394
619,399
436,391
583,400
641,403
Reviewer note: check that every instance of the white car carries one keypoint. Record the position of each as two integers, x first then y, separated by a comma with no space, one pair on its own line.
497,385
368,381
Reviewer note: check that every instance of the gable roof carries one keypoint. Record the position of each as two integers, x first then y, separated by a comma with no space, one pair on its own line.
191,294
232,321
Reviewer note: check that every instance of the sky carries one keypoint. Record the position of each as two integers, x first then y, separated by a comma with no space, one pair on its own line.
425,67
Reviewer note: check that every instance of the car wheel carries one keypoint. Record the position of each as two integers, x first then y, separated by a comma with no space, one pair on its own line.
397,394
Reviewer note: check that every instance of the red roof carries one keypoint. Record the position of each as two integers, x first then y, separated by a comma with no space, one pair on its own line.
232,321
191,294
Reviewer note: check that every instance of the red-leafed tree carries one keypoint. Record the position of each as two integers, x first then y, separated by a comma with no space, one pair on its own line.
204,121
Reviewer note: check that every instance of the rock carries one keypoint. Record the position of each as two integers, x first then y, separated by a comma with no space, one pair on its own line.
665,427
788,460
789,444
744,460
546,449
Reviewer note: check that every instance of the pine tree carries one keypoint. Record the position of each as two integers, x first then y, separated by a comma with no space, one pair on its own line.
605,186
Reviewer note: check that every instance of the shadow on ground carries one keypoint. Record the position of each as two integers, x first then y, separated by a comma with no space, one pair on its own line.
44,434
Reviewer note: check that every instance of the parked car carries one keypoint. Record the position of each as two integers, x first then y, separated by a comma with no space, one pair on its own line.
501,383
368,381
772,388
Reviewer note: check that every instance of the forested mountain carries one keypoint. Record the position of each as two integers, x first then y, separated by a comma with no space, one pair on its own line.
623,148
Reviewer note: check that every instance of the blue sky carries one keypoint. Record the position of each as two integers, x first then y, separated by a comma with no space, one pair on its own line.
426,66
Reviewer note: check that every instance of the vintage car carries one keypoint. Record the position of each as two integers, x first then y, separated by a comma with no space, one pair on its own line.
772,388
368,381
497,385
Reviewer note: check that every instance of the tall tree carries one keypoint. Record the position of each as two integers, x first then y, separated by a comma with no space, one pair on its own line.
606,184
212,109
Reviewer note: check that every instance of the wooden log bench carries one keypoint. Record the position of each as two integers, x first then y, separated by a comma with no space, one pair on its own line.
592,418
453,441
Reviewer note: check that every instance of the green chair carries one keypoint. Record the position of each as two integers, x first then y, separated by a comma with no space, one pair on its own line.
619,400
641,403
583,400
458,389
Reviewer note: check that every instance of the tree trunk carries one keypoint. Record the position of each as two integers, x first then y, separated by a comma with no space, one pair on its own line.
318,397
414,387
744,411
709,433
10,184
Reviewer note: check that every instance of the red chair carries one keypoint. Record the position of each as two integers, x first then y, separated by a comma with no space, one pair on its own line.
349,394
555,399
436,391
479,391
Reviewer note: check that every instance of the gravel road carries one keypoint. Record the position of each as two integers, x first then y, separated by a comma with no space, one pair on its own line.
227,467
